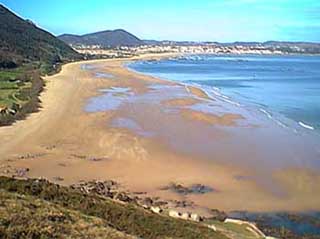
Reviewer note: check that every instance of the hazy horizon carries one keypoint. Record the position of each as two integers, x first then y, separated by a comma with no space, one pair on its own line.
220,21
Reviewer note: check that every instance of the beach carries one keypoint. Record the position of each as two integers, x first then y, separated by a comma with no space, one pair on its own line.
141,135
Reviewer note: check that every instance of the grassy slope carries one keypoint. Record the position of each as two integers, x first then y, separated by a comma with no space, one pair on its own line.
9,87
234,230
19,90
20,39
27,52
127,218
27,217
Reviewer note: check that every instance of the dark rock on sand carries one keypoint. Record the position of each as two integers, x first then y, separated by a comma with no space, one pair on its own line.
105,188
58,179
146,202
184,190
21,172
218,215
123,197
108,188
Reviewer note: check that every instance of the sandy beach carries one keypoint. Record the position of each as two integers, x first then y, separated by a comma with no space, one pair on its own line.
143,137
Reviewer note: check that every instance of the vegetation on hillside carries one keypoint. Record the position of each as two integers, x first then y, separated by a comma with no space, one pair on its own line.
22,41
26,53
19,91
26,217
61,211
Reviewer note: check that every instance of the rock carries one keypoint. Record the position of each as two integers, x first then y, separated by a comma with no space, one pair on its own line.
200,189
12,111
235,221
58,178
96,159
58,217
146,202
111,184
31,156
4,110
218,215
160,203
156,209
139,193
21,172
105,188
89,158
185,216
184,190
195,217
213,227
182,204
174,214
123,197
6,171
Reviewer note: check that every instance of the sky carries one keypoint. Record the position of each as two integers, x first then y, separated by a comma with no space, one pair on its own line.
193,20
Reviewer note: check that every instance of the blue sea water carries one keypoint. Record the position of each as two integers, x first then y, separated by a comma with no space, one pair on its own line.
279,86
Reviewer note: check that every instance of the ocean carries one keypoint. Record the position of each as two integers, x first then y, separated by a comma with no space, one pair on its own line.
283,88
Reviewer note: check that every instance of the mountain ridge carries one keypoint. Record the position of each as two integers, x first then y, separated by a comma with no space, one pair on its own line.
106,38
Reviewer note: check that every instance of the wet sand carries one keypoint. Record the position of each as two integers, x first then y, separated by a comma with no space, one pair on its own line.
198,92
147,133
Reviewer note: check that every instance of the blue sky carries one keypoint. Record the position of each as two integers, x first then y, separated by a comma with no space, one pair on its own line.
198,20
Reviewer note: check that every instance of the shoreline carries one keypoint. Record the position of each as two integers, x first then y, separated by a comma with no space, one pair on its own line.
49,145
213,93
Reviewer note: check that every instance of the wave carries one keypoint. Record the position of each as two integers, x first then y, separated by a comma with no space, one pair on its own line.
266,113
222,97
199,87
306,126
231,102
189,58
187,89
215,93
218,95
269,115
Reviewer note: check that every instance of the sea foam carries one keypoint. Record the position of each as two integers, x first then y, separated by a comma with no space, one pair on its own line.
306,126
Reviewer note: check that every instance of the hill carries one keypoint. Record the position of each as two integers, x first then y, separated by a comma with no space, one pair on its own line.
26,53
22,41
39,209
108,38
41,219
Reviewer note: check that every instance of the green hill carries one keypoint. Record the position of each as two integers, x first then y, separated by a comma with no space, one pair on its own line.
26,53
22,41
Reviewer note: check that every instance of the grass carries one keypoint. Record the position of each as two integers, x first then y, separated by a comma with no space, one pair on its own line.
19,91
234,230
125,218
27,217
8,88
9,74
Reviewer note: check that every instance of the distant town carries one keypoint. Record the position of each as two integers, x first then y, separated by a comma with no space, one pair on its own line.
121,43
198,48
